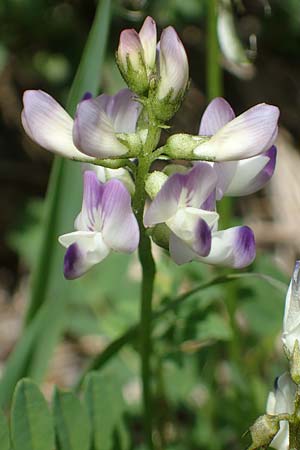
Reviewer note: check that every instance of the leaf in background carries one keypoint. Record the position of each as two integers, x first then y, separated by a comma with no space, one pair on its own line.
4,433
215,327
62,204
105,405
31,421
71,422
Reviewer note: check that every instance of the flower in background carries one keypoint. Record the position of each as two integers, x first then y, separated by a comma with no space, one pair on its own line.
282,401
240,138
184,205
106,222
291,320
91,135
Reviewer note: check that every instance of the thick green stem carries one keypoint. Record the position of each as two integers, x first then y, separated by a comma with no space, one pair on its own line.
148,268
148,275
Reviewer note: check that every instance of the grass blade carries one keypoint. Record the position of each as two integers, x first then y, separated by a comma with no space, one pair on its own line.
62,204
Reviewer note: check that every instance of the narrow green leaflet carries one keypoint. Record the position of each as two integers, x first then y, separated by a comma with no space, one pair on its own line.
4,433
62,204
72,423
105,405
31,421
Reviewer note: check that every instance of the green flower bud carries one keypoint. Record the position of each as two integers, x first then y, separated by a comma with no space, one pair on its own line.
263,431
154,183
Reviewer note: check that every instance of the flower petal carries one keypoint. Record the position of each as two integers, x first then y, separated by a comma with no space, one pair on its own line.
120,227
282,401
89,219
173,64
93,131
190,189
123,111
180,252
48,124
252,174
217,114
291,321
148,37
193,226
247,135
130,46
225,172
234,247
85,249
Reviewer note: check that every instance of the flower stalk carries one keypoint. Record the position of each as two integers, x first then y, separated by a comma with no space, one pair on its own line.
148,274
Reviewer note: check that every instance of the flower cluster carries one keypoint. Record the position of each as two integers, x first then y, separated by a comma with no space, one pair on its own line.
118,137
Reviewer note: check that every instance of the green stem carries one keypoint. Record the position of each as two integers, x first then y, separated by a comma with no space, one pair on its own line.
148,275
213,69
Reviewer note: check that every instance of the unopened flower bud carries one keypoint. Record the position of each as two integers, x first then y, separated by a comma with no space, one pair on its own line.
295,363
161,235
291,320
263,431
173,75
154,183
136,56
182,146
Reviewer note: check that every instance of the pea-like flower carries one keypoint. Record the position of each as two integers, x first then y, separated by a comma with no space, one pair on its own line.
240,138
281,401
106,222
91,135
291,320
184,205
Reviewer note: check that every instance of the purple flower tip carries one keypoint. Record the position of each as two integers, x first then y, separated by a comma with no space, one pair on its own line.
87,96
270,166
245,247
203,238
70,262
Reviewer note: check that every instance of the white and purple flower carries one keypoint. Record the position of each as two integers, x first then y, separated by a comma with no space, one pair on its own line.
183,204
281,401
291,320
240,138
91,135
106,222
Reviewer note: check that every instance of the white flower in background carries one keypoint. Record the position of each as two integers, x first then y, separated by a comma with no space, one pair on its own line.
106,222
282,401
291,320
184,205
238,138
91,135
